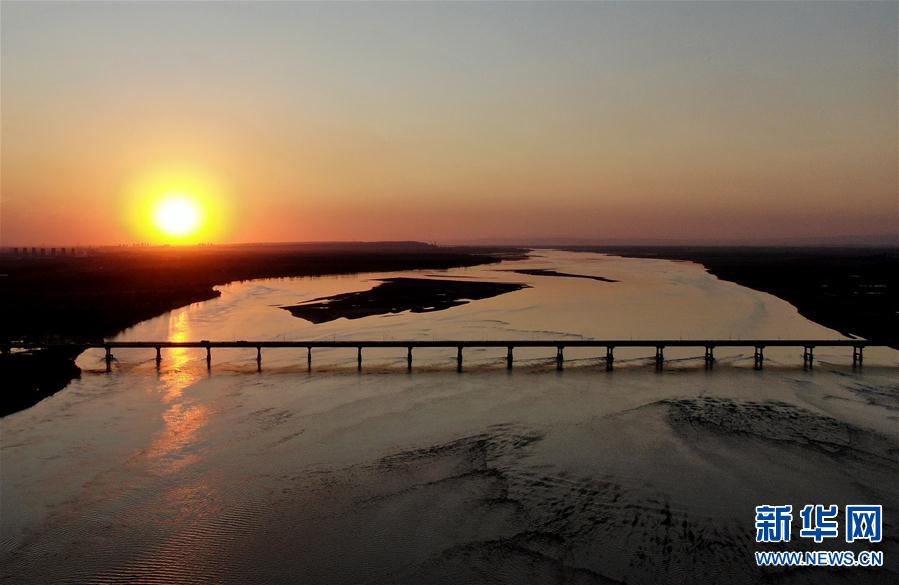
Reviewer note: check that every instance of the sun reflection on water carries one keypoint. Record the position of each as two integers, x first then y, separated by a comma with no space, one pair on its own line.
171,450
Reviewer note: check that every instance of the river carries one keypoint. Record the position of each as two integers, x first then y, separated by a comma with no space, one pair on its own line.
188,474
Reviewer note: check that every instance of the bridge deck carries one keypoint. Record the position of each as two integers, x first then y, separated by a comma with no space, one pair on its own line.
709,345
545,343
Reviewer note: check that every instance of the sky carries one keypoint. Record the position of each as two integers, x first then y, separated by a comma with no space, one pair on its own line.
289,121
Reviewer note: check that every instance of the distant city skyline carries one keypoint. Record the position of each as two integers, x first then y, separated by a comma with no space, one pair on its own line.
448,122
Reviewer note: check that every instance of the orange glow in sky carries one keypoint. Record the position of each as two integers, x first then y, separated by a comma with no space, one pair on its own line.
302,121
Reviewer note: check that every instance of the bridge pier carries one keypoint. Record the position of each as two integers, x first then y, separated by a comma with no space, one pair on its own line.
359,358
858,356
108,359
309,357
808,357
459,358
409,358
208,356
258,358
158,356
560,358
610,357
758,357
709,356
660,357
509,358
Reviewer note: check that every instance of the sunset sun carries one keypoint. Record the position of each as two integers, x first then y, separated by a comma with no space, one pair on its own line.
177,206
178,216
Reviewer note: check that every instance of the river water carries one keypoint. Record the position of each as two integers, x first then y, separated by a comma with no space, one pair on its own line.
188,474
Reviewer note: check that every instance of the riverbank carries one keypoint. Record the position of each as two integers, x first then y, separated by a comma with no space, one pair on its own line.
91,297
31,376
852,290
99,295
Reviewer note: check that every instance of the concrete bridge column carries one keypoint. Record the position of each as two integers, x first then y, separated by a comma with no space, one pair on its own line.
660,357
459,358
758,357
709,356
509,358
610,357
560,357
857,356
409,358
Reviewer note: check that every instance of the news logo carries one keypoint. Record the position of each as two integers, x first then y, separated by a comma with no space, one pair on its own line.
861,522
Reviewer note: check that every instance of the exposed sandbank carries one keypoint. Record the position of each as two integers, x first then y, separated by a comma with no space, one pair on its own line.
546,272
395,295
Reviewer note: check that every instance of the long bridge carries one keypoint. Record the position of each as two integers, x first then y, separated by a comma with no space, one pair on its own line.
609,345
